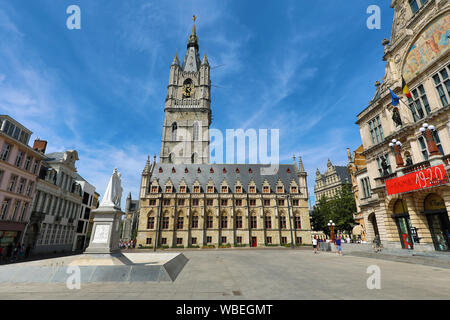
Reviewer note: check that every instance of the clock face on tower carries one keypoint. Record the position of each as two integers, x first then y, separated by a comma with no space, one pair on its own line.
188,89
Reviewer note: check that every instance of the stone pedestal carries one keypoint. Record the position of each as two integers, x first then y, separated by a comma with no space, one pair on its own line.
105,231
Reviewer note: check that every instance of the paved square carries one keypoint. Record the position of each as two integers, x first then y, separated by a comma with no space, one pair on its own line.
263,274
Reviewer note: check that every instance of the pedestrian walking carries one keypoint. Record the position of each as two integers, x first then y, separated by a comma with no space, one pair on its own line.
14,253
21,251
338,245
314,243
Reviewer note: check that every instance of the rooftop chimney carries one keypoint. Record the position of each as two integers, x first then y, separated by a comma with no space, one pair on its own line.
40,145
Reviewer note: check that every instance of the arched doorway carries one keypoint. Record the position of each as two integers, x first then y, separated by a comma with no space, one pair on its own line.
401,217
373,221
438,221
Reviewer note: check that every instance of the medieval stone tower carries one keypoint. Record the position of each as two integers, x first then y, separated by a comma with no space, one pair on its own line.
187,112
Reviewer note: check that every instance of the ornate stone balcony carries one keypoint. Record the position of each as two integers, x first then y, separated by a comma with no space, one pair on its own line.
416,167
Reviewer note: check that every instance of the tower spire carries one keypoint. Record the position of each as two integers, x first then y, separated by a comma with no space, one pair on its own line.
191,62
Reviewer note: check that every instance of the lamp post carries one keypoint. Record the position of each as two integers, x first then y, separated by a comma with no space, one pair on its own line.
331,225
396,146
432,146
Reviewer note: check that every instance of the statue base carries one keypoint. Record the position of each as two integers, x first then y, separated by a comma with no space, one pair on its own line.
105,231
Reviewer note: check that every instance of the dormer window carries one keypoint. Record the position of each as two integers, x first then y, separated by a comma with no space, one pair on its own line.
224,189
168,189
252,189
280,189
196,189
224,170
154,189
173,170
182,189
211,170
210,189
160,170
250,170
266,189
186,170
294,189
238,189
237,170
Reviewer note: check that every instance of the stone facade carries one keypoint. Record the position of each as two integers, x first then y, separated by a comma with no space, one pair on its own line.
220,204
418,51
329,183
57,205
360,187
187,112
88,191
19,167
131,219
185,201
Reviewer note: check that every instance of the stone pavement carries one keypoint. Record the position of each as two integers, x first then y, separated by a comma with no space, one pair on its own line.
263,274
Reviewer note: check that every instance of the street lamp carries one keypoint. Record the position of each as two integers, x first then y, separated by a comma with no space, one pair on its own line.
331,225
396,146
432,146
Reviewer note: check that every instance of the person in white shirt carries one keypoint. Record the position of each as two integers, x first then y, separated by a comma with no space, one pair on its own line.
314,243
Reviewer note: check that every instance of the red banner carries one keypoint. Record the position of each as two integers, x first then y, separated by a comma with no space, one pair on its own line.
425,178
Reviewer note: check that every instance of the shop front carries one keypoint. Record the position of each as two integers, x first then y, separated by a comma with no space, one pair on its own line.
10,233
403,222
438,221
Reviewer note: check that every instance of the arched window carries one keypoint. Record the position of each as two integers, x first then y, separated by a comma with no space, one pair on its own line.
195,131
174,131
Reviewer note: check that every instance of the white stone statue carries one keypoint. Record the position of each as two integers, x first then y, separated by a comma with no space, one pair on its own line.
113,193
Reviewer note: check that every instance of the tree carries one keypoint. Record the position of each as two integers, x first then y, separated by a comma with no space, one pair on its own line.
339,208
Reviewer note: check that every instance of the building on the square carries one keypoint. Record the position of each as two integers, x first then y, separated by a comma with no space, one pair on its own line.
19,168
131,219
88,192
95,205
185,201
407,144
360,187
57,204
331,181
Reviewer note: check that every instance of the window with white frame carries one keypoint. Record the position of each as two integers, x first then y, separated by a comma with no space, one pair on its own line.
418,103
19,159
376,130
365,184
5,208
416,5
442,84
5,152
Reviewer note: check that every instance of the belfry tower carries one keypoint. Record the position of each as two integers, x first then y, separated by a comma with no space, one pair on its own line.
187,112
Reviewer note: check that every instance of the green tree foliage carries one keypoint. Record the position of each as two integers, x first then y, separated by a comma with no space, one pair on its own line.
339,208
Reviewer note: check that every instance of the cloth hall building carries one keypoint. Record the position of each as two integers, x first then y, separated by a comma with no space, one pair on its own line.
187,202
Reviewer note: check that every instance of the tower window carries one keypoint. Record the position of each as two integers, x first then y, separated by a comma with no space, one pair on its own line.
174,131
195,131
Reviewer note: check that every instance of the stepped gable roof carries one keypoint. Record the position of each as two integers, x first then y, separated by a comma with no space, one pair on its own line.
243,174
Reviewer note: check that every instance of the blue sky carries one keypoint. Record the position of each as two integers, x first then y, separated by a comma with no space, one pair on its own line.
306,68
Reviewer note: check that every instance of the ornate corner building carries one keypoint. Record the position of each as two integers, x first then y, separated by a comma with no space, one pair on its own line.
360,186
331,181
407,144
185,201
